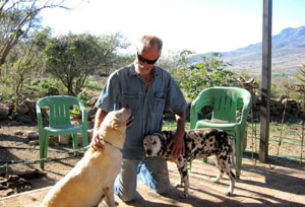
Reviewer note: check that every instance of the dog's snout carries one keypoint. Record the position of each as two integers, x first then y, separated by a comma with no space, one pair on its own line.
149,152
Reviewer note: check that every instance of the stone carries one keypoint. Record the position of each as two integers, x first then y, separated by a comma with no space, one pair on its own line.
65,140
22,108
53,140
24,118
18,133
33,142
4,111
30,103
33,136
52,91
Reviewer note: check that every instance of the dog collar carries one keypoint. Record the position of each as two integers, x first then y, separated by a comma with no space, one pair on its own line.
113,145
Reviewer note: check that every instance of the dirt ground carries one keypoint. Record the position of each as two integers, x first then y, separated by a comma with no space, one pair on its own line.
274,182
22,173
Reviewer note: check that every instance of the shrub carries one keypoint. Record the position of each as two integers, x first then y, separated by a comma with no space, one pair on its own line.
210,71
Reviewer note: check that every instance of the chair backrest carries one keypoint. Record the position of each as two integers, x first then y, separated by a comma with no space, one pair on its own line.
59,107
225,101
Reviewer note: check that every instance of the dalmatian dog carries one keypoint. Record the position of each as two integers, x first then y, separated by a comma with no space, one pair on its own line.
199,143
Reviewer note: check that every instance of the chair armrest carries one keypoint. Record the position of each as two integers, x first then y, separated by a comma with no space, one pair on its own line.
245,110
200,102
84,112
193,115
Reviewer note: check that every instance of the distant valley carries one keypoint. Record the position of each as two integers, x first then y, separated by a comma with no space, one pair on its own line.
288,54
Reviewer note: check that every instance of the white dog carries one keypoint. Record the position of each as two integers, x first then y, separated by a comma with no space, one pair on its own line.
93,177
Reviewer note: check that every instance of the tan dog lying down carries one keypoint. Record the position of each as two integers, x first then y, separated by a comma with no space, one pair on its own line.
93,176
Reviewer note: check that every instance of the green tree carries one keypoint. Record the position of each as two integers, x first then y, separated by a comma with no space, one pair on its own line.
72,58
110,46
17,18
25,61
173,60
210,71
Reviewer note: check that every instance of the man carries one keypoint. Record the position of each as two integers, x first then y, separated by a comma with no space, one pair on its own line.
147,90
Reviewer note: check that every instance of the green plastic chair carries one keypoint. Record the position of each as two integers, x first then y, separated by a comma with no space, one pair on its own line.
226,102
60,122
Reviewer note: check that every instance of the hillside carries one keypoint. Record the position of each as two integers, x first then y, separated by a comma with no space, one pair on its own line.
288,53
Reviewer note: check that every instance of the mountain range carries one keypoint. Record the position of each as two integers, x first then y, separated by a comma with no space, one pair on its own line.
288,54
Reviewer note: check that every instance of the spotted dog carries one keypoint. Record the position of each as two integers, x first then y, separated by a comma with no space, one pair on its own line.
199,143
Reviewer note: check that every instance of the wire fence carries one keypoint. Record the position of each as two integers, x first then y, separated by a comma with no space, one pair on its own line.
286,142
280,146
69,152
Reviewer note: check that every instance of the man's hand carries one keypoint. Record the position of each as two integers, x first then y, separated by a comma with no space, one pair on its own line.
96,142
178,145
178,138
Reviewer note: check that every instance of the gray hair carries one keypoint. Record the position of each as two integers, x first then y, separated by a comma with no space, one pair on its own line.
151,41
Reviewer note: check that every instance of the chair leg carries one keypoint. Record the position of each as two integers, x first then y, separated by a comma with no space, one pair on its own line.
239,153
43,145
85,137
74,143
242,137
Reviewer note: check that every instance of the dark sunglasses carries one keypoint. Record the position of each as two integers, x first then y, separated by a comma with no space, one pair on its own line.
144,60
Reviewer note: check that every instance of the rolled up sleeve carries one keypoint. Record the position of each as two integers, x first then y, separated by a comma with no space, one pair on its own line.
109,97
175,99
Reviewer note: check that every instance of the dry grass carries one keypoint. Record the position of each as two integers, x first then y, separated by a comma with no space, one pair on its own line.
284,140
291,134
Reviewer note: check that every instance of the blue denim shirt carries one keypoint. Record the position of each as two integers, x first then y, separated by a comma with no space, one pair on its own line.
125,87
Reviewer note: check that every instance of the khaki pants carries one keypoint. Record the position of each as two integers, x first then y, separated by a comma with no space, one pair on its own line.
151,171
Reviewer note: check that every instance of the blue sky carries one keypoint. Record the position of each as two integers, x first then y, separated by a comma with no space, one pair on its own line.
198,25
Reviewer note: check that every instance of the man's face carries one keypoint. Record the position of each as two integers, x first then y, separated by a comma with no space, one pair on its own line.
145,59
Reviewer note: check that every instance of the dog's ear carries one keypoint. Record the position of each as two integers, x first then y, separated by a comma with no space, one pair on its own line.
116,124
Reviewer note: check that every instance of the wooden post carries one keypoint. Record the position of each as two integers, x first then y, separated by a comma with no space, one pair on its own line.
266,80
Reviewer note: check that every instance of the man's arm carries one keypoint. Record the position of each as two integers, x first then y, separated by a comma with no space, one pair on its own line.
99,117
178,141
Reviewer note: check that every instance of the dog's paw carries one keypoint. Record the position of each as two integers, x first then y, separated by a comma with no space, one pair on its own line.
215,180
179,185
184,195
229,194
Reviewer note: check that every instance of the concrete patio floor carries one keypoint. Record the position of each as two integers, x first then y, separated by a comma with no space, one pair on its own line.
259,185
